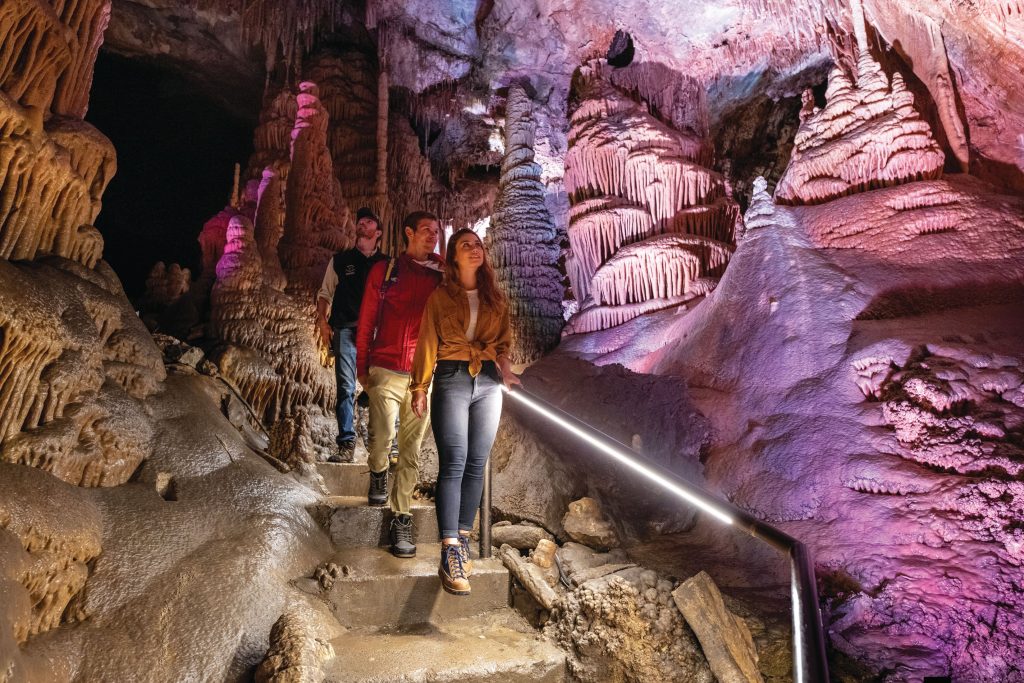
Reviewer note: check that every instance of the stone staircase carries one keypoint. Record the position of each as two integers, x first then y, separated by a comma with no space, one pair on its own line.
401,625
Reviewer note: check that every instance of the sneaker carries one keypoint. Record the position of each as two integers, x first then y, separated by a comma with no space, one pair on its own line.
401,537
467,564
451,571
346,453
378,493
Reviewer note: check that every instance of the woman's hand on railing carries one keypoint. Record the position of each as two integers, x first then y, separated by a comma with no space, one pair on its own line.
509,378
419,403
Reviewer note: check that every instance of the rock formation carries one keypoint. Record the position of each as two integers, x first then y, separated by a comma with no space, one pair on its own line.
628,630
850,410
272,357
648,220
522,239
85,402
868,135
317,223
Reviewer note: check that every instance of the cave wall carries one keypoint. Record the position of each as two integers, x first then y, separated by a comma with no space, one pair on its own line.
123,487
859,363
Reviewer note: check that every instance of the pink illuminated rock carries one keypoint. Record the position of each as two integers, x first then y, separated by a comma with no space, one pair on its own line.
868,136
317,223
648,218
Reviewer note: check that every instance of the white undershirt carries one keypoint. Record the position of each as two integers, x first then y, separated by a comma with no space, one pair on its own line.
474,306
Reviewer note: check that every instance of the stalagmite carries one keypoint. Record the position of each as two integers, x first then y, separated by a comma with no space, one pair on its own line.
522,240
272,357
867,136
317,223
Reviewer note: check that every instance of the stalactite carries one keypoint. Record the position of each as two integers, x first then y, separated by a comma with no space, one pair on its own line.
648,218
51,181
522,240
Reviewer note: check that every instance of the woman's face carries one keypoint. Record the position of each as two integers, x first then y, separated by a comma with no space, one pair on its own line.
469,253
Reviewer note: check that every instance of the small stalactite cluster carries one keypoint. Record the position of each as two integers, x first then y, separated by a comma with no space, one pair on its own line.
868,136
650,224
522,240
285,29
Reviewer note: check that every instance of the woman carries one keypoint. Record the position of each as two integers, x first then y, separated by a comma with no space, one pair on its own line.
463,342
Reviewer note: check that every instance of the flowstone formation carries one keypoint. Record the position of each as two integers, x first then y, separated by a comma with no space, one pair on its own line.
86,403
522,239
651,227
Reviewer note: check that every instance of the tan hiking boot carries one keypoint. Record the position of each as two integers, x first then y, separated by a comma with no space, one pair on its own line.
453,576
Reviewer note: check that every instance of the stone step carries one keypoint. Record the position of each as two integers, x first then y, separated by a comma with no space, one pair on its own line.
377,589
345,478
352,522
499,647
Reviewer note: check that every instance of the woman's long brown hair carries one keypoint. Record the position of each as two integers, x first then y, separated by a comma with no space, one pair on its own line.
487,284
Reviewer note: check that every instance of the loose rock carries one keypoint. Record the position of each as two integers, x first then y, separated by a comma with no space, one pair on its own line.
586,524
519,536
723,636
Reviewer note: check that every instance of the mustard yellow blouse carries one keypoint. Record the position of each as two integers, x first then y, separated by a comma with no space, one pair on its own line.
443,334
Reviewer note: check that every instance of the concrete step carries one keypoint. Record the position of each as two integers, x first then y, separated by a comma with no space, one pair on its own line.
380,590
354,523
345,478
499,647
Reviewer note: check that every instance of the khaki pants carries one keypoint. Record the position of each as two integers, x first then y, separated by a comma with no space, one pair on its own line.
390,397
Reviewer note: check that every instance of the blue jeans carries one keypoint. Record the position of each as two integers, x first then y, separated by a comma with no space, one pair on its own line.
464,413
344,344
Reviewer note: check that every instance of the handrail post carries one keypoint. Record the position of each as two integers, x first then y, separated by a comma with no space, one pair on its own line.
485,513
809,657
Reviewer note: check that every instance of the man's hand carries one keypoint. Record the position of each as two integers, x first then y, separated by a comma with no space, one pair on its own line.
419,403
326,333
364,381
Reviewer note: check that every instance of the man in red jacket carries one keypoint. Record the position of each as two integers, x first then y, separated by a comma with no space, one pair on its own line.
389,325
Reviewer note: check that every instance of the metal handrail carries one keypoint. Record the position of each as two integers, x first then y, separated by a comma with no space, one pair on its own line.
809,660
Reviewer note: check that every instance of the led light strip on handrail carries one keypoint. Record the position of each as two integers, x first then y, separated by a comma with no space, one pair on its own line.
809,661
695,499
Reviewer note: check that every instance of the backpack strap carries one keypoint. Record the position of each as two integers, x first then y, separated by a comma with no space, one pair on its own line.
390,277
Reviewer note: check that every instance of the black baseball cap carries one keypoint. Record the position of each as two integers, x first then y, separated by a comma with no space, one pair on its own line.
367,212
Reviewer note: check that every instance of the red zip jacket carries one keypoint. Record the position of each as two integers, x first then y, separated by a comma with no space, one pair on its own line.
390,325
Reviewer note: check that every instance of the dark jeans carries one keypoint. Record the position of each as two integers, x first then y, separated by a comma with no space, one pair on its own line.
345,371
464,413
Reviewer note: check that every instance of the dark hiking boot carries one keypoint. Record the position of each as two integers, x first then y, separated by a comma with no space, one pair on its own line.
401,537
346,452
451,571
378,493
467,564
